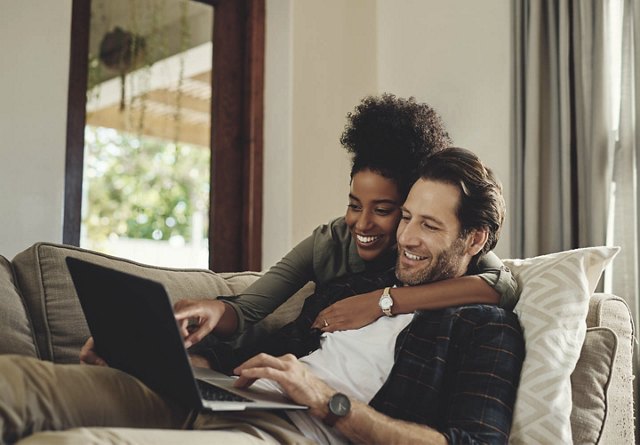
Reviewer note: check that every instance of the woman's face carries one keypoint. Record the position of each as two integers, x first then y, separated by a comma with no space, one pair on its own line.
373,213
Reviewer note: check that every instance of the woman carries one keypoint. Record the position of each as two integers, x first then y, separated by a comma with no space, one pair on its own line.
388,138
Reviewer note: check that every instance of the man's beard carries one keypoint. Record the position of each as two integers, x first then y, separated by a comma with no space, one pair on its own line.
446,265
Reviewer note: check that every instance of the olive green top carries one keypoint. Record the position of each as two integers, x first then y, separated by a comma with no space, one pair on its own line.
330,252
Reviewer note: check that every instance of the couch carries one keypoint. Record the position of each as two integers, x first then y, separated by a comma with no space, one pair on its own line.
40,316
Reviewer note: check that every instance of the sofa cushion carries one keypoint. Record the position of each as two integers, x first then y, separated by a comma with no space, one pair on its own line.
51,300
15,327
590,383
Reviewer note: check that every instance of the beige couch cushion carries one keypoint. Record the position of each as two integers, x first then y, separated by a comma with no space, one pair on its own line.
15,328
590,383
46,286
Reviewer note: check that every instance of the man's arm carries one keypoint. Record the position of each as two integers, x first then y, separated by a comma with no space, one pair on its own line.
363,424
482,378
366,425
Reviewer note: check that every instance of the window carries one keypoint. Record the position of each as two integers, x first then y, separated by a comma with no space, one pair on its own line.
235,198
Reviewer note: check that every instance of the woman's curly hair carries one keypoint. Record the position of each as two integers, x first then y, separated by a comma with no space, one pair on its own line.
392,136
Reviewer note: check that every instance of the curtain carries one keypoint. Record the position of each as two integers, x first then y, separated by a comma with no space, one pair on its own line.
624,274
564,147
576,177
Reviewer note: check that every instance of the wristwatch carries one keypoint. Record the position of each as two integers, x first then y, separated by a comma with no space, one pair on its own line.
339,406
386,302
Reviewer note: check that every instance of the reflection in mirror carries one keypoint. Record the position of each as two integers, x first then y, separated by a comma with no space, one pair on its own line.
147,134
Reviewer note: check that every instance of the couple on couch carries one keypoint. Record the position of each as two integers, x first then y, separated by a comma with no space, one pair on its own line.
416,362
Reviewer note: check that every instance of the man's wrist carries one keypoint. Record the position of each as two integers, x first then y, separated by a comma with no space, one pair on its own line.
338,407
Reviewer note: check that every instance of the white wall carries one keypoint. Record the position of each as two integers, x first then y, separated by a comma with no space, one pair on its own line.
322,58
278,133
320,61
34,49
334,66
455,55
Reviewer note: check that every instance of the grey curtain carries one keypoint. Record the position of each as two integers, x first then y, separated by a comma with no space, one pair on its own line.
624,279
576,179
563,148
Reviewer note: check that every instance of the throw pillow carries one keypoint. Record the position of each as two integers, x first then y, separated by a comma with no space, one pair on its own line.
554,300
589,385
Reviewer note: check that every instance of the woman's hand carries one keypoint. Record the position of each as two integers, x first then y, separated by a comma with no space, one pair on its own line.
350,313
205,313
88,355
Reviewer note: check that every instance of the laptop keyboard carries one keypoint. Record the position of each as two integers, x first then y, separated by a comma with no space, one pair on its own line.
217,394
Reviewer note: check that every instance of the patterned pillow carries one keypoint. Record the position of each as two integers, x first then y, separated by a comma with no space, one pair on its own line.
554,300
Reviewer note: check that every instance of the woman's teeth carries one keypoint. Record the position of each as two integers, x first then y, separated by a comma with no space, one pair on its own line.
367,239
414,257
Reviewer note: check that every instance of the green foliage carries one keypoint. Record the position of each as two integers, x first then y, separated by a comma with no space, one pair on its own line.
142,187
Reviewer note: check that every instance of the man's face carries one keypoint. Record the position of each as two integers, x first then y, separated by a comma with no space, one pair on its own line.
429,244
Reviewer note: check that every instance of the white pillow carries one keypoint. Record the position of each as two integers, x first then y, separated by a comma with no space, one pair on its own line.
554,300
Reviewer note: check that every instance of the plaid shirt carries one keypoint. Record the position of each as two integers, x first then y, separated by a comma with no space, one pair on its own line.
456,370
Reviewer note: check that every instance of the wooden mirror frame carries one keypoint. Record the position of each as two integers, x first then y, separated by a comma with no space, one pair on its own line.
235,199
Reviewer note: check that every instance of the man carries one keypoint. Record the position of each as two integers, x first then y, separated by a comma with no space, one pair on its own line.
433,377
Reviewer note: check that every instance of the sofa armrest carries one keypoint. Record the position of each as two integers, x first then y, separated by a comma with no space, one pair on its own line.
602,382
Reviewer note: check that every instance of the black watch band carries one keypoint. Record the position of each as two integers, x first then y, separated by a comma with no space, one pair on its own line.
339,406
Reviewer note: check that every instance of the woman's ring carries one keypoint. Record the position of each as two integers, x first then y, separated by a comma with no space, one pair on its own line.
326,324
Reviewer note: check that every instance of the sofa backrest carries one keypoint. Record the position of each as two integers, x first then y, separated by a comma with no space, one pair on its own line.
50,298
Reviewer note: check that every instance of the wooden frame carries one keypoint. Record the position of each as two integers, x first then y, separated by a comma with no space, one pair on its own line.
235,213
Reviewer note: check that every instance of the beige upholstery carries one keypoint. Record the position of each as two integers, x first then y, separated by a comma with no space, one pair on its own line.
40,316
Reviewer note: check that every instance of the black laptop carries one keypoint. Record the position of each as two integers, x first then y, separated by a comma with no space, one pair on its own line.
132,322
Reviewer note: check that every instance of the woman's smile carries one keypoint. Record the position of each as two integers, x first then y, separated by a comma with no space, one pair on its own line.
373,213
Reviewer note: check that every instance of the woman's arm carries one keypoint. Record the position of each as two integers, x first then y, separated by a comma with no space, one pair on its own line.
322,256
361,310
493,284
227,315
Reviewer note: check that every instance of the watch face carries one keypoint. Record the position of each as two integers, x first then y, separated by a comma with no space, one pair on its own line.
386,302
339,405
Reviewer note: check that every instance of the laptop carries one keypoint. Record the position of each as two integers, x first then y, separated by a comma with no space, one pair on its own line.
132,322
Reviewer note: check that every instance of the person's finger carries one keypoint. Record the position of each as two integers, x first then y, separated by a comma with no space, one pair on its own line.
88,356
198,334
261,360
189,312
86,352
250,375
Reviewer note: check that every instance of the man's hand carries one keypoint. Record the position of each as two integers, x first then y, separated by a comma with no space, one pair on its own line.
293,376
350,313
88,355
206,313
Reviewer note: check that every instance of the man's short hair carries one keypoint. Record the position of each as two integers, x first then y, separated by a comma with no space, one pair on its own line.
481,202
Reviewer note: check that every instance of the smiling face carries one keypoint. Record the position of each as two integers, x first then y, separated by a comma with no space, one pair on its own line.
373,213
430,247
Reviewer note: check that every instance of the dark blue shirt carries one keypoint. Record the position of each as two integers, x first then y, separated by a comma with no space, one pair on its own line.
455,370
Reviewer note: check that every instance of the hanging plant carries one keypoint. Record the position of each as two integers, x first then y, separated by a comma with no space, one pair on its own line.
122,51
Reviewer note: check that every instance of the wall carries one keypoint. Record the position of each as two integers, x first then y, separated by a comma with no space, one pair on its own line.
33,89
320,61
455,55
322,57
334,66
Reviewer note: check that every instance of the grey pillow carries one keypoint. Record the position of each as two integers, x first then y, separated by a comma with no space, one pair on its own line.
589,384
15,327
